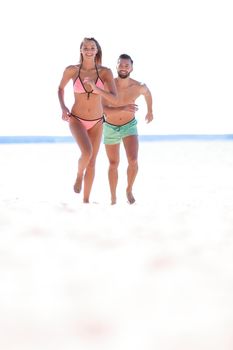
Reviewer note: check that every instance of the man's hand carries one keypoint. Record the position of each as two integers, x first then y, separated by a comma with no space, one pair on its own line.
149,117
131,107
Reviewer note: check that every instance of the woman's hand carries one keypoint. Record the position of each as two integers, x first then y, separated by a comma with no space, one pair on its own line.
91,82
65,114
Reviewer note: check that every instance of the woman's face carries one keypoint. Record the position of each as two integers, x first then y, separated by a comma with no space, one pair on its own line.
89,49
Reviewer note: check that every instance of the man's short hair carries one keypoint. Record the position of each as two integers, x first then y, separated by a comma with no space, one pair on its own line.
124,56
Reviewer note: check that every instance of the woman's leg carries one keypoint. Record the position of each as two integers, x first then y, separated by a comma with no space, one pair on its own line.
81,136
95,135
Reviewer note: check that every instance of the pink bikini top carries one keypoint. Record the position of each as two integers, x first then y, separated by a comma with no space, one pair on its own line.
79,87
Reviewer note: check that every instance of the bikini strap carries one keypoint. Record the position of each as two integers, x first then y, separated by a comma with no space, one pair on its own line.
97,72
87,92
79,70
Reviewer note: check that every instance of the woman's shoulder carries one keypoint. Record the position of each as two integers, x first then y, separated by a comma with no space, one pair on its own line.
72,68
102,68
104,71
71,71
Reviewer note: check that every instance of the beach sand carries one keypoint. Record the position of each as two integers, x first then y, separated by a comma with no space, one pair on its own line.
154,275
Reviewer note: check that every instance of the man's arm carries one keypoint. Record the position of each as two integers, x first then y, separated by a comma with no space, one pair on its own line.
149,102
132,107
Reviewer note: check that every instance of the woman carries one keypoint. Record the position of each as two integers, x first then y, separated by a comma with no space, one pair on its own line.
91,82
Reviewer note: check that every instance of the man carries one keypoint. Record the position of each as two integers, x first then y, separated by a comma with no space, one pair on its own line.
121,125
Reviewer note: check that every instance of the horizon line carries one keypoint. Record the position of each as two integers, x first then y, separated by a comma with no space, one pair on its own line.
144,138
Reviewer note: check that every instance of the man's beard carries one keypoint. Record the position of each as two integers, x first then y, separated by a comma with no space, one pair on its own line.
123,76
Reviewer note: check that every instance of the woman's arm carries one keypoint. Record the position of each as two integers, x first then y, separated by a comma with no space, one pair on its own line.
110,94
67,76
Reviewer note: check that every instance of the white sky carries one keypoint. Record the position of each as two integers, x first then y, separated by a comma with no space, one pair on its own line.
181,49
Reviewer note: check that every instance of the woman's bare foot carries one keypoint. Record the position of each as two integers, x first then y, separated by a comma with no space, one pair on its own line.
78,184
130,197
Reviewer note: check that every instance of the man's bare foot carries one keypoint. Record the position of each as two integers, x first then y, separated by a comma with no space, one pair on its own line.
113,201
78,184
130,197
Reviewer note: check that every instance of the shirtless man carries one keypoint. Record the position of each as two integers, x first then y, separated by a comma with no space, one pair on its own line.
121,125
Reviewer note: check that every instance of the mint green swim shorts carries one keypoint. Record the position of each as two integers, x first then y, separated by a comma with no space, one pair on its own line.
115,133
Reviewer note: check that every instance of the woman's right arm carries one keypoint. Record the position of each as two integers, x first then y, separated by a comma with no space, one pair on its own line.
67,76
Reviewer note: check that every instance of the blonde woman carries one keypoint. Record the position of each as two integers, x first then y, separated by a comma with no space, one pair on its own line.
91,83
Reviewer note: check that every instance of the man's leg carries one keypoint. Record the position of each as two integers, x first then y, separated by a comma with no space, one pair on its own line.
113,153
131,148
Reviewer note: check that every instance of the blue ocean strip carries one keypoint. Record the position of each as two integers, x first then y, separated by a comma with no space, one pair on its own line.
143,138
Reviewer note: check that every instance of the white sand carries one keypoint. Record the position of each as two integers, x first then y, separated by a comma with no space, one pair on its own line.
157,275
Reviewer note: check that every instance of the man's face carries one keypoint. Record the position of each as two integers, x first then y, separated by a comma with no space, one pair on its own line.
124,68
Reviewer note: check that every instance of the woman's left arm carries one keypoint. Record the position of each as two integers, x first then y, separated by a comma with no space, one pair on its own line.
110,93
